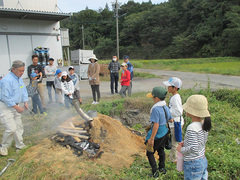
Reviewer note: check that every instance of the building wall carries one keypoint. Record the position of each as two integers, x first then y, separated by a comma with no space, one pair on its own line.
18,38
43,5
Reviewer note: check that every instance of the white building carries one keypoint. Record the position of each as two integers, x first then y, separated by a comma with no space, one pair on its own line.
25,25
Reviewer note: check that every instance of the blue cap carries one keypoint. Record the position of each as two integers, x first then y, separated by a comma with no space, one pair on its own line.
125,57
58,71
33,75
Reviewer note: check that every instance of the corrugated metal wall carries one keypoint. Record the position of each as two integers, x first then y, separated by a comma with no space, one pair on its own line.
18,38
43,5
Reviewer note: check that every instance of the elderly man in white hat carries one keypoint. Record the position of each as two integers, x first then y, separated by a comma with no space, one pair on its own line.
94,80
13,92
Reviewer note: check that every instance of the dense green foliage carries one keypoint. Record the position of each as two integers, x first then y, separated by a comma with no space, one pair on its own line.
174,29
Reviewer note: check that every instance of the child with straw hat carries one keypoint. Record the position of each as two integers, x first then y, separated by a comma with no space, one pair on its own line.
193,146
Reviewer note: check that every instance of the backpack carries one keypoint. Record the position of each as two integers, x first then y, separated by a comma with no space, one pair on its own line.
30,90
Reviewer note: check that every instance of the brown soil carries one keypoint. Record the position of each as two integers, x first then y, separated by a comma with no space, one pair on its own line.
118,143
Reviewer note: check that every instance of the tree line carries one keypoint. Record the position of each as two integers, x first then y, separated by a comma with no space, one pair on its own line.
173,29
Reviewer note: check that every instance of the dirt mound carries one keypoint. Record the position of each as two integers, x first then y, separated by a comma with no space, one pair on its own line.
118,143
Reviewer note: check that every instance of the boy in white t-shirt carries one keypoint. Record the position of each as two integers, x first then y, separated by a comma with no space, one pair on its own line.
176,109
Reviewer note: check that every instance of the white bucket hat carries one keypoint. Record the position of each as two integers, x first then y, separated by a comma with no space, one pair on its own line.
173,81
64,73
124,64
93,57
197,105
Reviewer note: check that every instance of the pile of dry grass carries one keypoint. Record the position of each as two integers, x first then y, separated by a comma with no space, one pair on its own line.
49,160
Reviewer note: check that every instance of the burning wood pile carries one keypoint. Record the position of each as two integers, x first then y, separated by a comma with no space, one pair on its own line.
78,139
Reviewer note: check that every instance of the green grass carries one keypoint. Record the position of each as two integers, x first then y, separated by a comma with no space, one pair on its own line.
142,75
226,68
216,65
222,151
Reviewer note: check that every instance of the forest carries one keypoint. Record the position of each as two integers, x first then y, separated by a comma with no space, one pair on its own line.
173,29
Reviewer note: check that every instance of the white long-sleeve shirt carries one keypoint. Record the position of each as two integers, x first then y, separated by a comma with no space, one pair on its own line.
176,109
50,72
67,88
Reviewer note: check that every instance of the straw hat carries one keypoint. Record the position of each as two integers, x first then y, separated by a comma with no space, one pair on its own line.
197,105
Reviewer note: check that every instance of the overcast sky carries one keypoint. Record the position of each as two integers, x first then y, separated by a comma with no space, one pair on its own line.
67,6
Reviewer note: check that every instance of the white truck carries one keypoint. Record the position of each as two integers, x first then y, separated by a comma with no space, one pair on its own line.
79,59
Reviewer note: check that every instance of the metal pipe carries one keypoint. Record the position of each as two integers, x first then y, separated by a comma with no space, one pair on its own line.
80,111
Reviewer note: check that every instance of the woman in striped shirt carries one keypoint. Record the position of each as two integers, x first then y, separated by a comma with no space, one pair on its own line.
193,146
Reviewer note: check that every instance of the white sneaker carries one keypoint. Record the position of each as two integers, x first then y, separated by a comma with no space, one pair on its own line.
96,102
93,102
3,151
23,147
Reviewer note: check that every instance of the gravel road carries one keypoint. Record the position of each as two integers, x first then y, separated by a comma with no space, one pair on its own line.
190,80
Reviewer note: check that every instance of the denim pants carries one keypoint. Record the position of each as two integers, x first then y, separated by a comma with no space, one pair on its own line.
37,103
67,100
114,80
50,84
196,169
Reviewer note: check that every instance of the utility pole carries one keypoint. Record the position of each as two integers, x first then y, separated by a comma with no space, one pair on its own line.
83,36
117,29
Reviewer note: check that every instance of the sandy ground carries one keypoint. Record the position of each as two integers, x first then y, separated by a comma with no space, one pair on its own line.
190,80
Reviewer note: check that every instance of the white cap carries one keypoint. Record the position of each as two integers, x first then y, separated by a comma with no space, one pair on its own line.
64,73
124,64
173,81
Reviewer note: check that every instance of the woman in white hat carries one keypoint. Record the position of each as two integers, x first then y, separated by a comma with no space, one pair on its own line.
193,146
94,80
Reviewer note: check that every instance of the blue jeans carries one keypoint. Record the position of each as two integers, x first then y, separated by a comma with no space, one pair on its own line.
196,170
50,84
36,103
67,100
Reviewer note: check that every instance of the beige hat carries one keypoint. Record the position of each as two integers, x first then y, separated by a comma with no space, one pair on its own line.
93,57
197,105
124,64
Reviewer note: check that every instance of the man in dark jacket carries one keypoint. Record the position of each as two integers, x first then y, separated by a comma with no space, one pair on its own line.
114,68
36,68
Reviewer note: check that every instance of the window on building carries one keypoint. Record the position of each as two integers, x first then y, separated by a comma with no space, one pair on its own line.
1,2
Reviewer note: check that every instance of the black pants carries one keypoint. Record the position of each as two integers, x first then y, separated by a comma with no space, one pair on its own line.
95,90
159,145
114,79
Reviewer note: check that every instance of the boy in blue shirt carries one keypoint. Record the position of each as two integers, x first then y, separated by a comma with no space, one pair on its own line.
157,135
